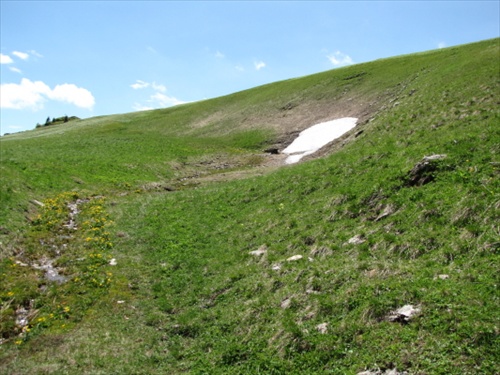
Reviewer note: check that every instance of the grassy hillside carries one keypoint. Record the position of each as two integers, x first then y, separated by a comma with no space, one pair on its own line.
179,199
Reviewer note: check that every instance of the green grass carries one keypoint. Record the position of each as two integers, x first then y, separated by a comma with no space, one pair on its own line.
187,297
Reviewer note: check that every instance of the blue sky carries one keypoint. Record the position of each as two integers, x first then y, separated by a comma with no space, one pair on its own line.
91,58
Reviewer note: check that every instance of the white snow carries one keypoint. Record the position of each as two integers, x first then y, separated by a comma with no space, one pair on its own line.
315,137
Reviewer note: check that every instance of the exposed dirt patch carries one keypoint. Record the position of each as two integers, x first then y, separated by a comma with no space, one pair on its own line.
286,120
289,123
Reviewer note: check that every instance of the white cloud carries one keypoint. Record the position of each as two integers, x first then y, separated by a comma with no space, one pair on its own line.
14,69
158,99
21,55
5,59
35,53
259,65
441,45
165,101
73,94
158,87
27,94
219,55
139,85
140,107
339,59
239,68
33,95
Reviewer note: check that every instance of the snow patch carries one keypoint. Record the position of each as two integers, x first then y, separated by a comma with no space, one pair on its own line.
312,139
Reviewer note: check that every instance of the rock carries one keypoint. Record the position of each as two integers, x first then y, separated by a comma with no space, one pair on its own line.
388,210
295,257
443,277
403,314
38,203
322,328
423,172
260,251
112,262
276,267
272,151
22,317
311,291
285,304
380,372
356,240
51,273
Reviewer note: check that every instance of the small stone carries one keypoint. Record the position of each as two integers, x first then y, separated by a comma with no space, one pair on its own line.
276,267
403,314
22,317
260,251
322,328
285,304
311,291
388,210
112,262
295,257
38,203
443,277
356,240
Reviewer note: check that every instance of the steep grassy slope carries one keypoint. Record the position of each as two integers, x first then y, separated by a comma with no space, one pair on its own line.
186,295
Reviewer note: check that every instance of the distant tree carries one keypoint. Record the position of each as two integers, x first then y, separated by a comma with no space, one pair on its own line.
47,122
66,118
54,120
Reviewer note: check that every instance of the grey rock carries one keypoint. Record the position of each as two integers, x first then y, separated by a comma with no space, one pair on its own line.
260,251
322,328
403,314
423,172
356,240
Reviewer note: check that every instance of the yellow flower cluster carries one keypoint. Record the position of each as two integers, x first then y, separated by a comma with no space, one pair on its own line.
97,239
54,211
95,225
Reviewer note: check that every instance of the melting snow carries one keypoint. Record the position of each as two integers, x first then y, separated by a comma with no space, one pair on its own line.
315,137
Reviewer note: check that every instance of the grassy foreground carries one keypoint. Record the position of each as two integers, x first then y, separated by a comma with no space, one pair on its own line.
154,255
